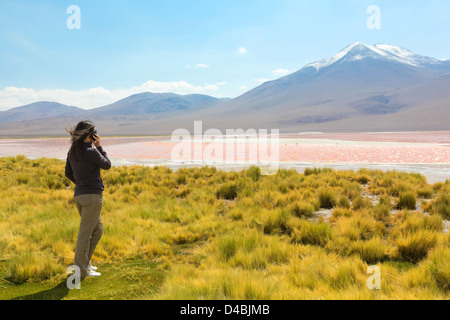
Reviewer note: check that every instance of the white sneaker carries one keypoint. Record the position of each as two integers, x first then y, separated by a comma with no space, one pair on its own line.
91,274
92,268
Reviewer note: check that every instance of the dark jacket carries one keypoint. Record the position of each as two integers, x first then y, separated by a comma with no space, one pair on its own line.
85,171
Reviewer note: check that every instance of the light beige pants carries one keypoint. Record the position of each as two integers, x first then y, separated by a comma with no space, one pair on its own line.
91,229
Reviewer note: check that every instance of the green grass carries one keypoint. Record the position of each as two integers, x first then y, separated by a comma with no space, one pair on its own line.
441,205
381,212
327,199
131,279
302,209
202,233
228,191
440,267
407,200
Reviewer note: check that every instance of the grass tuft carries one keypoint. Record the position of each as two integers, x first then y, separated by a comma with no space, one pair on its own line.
415,247
441,206
407,200
327,198
203,233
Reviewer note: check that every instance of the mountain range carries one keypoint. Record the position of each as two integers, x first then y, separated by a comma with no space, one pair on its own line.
362,88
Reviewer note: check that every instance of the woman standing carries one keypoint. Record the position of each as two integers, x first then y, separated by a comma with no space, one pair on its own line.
85,159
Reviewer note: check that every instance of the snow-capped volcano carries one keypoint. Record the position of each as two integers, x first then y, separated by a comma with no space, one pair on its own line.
360,51
361,88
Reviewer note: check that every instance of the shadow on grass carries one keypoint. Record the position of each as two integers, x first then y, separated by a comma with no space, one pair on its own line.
57,293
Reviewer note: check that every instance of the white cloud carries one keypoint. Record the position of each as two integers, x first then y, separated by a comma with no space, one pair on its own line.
281,72
243,87
198,66
278,73
242,50
96,97
202,66
180,87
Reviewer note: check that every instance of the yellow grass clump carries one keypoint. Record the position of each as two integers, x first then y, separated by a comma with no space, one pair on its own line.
233,235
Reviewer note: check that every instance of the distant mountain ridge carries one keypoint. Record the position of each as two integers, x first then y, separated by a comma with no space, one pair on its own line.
361,88
38,110
152,103
141,104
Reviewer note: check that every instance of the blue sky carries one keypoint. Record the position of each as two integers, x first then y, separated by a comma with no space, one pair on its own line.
220,48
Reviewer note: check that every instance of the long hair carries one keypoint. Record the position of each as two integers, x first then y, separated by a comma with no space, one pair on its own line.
79,134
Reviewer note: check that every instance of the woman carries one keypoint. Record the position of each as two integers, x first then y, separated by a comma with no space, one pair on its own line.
85,159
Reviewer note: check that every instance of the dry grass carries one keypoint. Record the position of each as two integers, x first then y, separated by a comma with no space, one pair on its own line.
441,205
234,235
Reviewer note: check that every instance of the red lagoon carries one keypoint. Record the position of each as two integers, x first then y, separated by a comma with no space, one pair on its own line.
354,150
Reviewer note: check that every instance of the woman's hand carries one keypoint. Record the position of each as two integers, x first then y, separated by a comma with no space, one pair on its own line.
97,140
